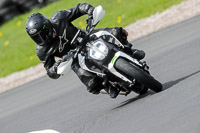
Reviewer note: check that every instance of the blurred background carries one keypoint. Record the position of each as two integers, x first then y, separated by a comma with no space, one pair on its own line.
12,8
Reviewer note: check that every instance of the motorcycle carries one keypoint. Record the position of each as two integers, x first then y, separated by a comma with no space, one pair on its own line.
103,54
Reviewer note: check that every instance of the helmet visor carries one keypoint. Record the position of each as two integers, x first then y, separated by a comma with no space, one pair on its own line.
40,37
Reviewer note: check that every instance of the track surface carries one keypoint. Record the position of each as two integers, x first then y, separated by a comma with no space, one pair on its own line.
65,105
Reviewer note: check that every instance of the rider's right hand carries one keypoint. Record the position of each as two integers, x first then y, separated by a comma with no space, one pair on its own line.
56,65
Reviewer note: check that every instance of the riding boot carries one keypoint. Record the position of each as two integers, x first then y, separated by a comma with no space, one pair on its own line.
135,53
113,91
138,54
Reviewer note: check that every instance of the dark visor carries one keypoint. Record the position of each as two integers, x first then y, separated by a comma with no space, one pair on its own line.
40,37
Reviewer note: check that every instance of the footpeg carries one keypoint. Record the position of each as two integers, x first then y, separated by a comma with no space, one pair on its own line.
145,66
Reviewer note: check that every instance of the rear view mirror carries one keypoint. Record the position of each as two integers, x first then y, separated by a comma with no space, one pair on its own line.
98,14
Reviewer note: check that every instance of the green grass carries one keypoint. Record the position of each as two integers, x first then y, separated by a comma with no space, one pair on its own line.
17,50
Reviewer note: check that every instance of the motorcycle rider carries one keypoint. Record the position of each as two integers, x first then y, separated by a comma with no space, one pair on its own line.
53,37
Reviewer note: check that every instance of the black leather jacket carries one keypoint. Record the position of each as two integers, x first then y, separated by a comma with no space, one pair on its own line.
65,31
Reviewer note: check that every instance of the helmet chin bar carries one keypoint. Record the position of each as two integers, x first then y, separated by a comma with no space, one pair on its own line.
40,38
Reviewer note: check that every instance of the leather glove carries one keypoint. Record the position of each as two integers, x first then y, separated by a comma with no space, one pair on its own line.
55,66
52,72
90,10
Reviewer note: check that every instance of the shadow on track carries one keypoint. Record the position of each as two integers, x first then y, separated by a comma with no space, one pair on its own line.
133,99
166,86
174,82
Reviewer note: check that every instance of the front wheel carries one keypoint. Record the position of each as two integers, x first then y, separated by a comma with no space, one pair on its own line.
133,72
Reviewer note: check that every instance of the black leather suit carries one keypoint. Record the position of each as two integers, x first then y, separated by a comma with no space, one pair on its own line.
60,45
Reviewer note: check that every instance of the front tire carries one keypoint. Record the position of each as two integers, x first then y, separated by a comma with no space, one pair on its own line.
133,72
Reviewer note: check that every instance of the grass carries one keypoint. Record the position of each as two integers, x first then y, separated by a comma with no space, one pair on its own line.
17,50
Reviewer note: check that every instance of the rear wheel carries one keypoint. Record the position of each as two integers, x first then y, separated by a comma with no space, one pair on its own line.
133,72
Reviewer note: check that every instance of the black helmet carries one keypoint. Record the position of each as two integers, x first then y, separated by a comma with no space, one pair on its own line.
39,28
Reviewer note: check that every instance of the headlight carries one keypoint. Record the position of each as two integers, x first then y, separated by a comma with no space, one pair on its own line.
98,50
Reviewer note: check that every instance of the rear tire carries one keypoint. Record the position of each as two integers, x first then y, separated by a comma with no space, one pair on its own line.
141,76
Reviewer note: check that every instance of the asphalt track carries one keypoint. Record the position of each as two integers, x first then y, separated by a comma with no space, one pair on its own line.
65,105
